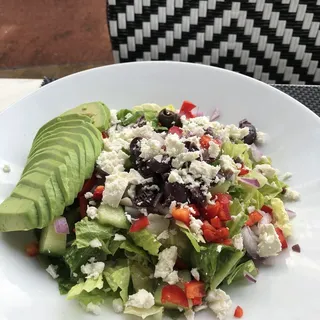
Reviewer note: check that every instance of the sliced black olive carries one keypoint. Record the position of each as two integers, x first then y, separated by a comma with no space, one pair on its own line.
252,136
197,197
160,166
176,191
191,146
168,118
145,196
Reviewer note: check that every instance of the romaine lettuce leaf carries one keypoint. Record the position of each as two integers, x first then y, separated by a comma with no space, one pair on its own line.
96,297
239,272
140,275
145,313
118,277
234,150
281,216
147,241
253,198
133,252
235,225
87,230
235,207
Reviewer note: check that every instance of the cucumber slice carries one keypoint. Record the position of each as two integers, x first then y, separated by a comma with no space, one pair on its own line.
112,216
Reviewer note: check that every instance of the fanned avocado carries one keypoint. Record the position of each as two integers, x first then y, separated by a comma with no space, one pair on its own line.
18,214
22,191
97,111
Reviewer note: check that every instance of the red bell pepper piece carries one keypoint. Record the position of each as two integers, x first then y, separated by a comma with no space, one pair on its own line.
243,171
32,249
175,130
194,210
282,238
195,289
104,135
216,222
88,185
175,295
97,194
254,217
205,141
180,264
140,224
182,214
267,209
196,301
238,313
186,109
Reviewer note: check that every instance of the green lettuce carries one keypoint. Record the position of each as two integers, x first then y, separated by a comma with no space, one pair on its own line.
147,241
235,225
88,230
234,150
281,216
239,272
140,275
235,207
145,313
194,240
133,252
254,198
118,277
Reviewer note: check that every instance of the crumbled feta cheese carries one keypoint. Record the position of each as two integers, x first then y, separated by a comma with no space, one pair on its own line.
74,274
174,146
172,278
251,209
92,269
195,226
128,216
203,170
117,305
227,163
6,168
237,133
92,203
287,176
219,302
141,299
164,235
189,314
219,248
88,195
52,270
115,186
175,176
261,137
237,241
213,149
95,243
195,273
266,170
195,126
115,144
291,195
201,307
166,262
185,157
112,161
113,116
150,148
93,308
92,212
119,237
269,244
132,191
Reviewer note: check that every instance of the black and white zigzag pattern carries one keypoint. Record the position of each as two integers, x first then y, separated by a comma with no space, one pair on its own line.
276,41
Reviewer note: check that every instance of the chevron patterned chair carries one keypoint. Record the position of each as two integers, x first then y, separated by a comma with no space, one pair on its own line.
275,41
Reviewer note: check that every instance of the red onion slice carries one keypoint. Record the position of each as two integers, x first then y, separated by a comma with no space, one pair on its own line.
199,114
215,114
296,248
256,153
250,182
291,213
61,226
250,241
249,277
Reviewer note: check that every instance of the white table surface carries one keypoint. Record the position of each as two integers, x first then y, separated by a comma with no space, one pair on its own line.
12,90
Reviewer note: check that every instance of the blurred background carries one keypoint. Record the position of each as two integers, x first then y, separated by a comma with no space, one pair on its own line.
52,38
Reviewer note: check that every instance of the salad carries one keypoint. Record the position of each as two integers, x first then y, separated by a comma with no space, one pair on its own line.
153,207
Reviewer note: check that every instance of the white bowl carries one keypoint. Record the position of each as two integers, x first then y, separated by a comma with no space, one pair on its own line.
287,290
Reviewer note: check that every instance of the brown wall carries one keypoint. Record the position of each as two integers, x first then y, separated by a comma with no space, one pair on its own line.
53,32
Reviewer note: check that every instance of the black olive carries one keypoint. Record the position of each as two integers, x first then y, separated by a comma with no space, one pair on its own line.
144,168
197,197
135,147
145,196
175,191
191,146
159,167
252,136
168,118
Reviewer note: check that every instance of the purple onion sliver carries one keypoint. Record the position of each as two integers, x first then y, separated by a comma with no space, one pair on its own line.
249,277
199,114
250,182
61,226
215,114
296,248
256,153
291,213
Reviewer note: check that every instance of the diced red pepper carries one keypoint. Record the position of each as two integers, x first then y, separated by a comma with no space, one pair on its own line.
104,135
224,215
254,217
212,210
139,224
227,242
222,233
216,222
175,295
175,130
224,198
238,313
195,212
196,301
218,142
88,185
282,238
97,194
32,249
243,171
208,226
209,235
186,109
83,204
267,209
194,289
205,141
181,214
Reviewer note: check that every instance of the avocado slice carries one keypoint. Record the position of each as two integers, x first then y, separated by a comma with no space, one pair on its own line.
68,117
97,111
48,158
39,178
22,191
18,214
52,243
